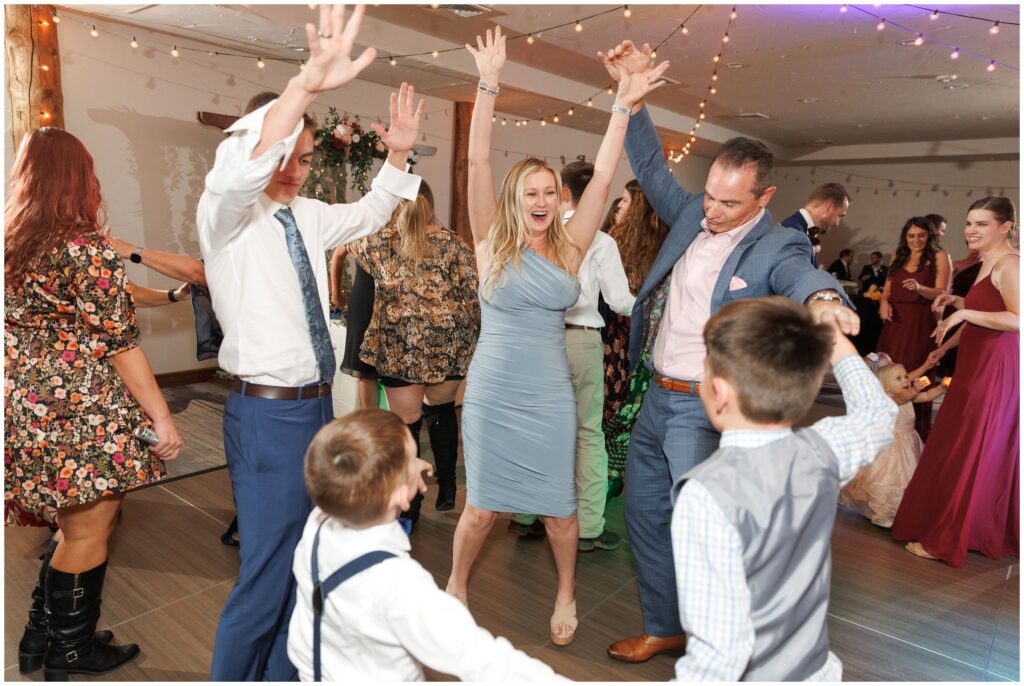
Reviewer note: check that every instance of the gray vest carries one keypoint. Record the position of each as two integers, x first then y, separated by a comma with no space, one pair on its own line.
781,498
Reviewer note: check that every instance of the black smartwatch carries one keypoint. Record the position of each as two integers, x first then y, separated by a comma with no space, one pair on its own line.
136,256
170,295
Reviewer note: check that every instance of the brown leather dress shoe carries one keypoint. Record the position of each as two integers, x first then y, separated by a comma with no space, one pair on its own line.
643,647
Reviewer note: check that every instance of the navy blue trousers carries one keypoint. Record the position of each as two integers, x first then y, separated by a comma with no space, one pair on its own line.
265,442
671,435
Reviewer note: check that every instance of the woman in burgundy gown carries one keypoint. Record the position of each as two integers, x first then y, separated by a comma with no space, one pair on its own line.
964,494
916,277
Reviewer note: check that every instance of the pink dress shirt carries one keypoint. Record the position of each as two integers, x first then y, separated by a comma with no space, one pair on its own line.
679,347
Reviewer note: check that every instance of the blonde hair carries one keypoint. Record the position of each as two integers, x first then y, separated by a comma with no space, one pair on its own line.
509,235
414,216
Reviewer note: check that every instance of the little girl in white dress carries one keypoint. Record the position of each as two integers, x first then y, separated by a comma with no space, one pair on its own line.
877,489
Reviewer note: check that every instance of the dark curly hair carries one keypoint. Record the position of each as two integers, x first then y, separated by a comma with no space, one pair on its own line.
902,253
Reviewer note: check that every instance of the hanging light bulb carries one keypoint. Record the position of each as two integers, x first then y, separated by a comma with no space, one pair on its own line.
685,31
991,66
880,25
732,15
590,103
693,139
134,43
955,55
713,90
716,58
995,29
701,115
260,63
174,51
434,54
504,121
93,32
843,8
627,13
919,40
714,76
44,23
529,39
55,17
518,124
555,119
571,111
493,119
697,125
44,115
579,26
543,122
654,55
44,67
934,15
311,6
725,38
702,103
526,122
302,64
611,92
392,61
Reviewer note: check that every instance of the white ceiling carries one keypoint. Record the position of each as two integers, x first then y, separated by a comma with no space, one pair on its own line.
863,85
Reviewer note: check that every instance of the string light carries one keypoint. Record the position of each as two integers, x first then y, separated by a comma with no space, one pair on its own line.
991,66
880,25
434,54
934,15
843,8
55,17
725,38
579,26
590,103
995,29
302,64
713,90
494,119
571,111
955,55
260,63
94,33
134,43
654,55
392,61
44,67
555,119
611,92
732,15
504,121
44,23
529,39
919,40
174,51
543,122
685,31
44,115
626,12
716,58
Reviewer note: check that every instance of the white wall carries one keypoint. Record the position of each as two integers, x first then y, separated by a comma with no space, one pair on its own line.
135,110
875,220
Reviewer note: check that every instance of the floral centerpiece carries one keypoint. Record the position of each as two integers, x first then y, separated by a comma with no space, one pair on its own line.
345,152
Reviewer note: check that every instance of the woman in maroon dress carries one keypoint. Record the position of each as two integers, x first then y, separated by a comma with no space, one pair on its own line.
916,277
964,494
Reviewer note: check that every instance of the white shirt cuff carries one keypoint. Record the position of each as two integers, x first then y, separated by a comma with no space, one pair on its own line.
397,182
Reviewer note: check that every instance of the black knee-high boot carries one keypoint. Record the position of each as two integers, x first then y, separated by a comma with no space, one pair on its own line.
413,514
36,637
443,429
72,611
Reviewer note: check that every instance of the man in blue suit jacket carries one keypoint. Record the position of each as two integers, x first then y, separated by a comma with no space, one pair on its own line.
723,246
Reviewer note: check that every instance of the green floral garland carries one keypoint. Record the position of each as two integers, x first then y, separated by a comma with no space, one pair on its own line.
345,152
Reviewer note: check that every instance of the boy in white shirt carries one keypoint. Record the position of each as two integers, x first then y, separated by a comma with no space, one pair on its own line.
387,621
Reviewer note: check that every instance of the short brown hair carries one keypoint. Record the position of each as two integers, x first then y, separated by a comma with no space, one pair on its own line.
740,152
575,177
833,193
354,463
260,99
772,353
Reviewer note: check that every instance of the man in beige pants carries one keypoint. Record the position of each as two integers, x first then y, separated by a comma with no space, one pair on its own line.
601,273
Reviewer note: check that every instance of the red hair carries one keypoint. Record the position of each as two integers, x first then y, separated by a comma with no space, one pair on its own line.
55,197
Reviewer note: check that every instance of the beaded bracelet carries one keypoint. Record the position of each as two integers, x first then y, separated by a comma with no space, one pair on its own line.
488,89
621,109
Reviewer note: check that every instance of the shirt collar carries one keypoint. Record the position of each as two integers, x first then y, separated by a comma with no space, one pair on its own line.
568,215
751,438
269,205
737,234
388,536
807,218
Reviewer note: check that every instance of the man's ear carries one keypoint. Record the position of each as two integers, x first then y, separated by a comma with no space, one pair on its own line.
766,197
566,195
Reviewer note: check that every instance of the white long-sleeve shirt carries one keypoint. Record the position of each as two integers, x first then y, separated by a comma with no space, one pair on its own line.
253,283
386,622
714,600
601,272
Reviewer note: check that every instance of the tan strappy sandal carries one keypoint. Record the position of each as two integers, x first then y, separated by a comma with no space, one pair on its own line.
917,549
564,614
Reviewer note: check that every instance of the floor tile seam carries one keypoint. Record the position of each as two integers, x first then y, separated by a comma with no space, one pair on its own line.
999,611
231,579
188,502
910,643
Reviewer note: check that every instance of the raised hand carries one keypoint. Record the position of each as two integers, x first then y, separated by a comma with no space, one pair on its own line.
330,64
405,121
624,58
633,87
489,55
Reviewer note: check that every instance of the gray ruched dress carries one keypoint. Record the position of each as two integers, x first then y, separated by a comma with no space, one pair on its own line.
519,412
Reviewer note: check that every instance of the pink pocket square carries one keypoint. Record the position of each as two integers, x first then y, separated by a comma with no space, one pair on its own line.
737,283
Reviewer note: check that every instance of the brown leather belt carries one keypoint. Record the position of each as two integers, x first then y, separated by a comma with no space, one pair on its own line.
582,328
688,387
256,390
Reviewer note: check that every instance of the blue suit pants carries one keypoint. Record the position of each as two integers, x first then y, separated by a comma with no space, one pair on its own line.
265,442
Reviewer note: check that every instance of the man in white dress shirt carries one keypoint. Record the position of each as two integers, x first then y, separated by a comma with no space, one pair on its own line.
263,247
601,273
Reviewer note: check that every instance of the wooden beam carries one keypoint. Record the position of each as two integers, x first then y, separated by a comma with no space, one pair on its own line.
460,171
33,69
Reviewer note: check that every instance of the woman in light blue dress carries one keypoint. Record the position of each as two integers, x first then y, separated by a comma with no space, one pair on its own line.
519,412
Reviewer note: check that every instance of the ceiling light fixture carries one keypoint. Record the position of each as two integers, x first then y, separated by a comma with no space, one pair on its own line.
134,43
995,29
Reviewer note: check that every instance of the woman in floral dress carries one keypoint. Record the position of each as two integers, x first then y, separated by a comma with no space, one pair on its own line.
77,385
639,233
426,319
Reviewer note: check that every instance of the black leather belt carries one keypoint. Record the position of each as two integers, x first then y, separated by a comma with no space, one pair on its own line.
256,390
582,328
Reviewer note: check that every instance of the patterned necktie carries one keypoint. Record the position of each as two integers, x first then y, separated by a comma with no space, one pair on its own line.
318,334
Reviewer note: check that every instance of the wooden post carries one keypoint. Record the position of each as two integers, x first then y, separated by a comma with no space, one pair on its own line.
460,171
33,69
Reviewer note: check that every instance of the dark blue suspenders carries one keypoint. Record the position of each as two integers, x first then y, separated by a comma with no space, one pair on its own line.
322,590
